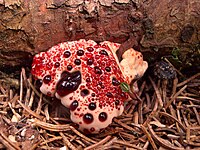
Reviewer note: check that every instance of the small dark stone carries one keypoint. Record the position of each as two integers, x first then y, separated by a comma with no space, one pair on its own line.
163,70
186,33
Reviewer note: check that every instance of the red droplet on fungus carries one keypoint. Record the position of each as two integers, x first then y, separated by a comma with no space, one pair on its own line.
88,118
73,105
90,49
67,54
103,116
47,79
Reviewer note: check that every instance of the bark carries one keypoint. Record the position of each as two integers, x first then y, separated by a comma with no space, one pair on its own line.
173,30
155,27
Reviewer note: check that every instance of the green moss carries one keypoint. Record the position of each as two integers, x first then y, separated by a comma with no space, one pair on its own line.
176,53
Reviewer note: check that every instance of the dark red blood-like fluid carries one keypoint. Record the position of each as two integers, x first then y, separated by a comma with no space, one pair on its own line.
84,92
87,80
47,79
108,94
80,52
100,83
48,93
88,118
73,105
57,64
90,49
93,94
117,102
92,129
69,67
108,69
67,54
77,62
103,52
124,95
64,74
89,61
92,106
97,70
115,82
103,116
68,83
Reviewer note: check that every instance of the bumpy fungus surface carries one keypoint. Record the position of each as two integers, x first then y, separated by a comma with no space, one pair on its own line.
85,76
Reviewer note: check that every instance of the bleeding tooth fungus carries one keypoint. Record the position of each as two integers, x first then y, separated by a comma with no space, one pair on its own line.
86,77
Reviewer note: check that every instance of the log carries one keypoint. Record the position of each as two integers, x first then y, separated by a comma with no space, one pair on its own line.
156,27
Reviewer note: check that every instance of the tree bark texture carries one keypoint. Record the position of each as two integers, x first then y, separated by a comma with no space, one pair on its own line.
155,27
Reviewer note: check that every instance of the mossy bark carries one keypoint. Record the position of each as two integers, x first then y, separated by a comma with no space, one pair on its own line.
154,27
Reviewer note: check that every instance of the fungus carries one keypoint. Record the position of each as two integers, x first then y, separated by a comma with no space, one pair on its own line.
86,77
